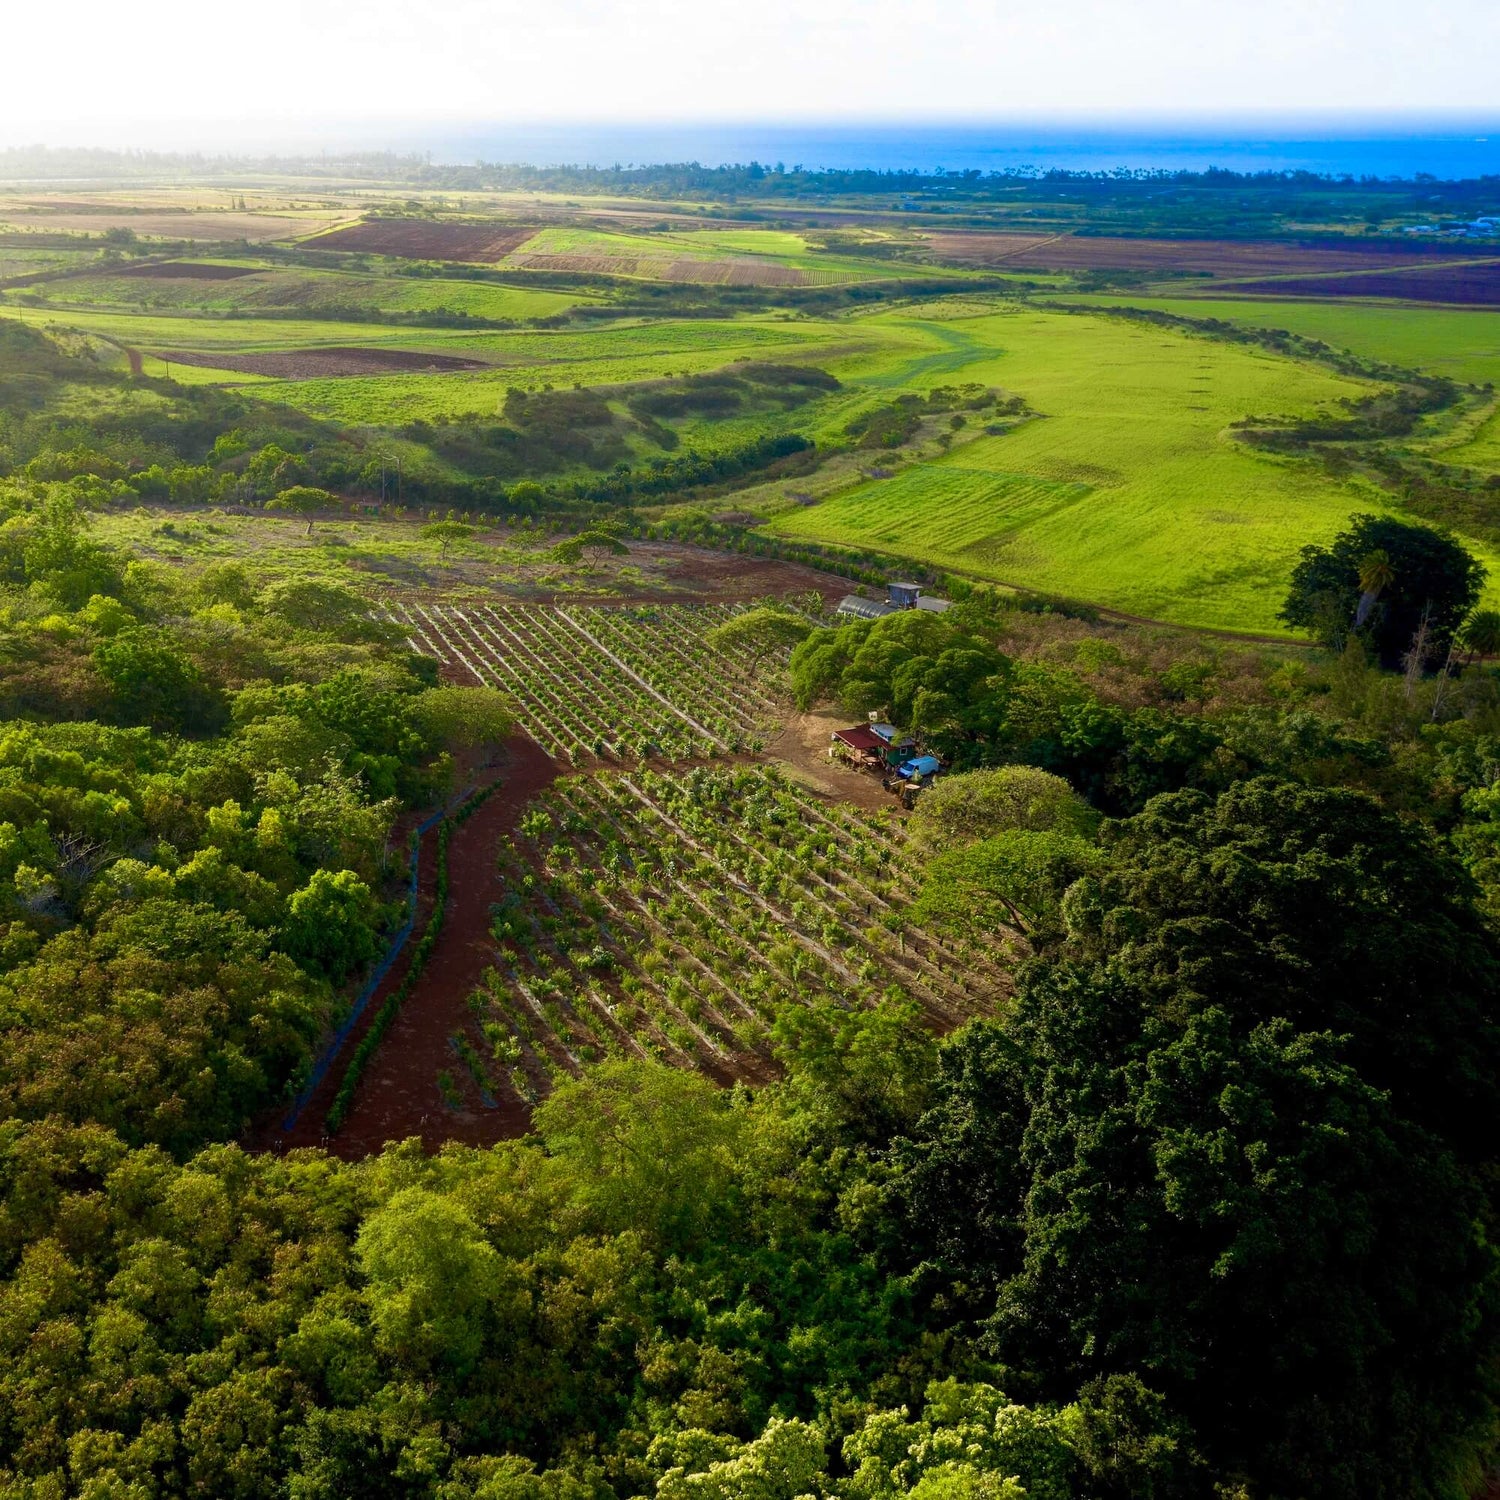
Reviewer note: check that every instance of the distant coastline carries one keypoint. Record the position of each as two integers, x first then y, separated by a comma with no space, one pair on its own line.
1450,149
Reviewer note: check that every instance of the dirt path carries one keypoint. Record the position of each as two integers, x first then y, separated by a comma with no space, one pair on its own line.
398,1095
802,748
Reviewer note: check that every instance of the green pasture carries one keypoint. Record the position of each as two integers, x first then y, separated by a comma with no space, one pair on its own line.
270,288
1449,341
1127,489
780,247
1481,448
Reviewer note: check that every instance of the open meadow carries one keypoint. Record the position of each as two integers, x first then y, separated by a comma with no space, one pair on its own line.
545,344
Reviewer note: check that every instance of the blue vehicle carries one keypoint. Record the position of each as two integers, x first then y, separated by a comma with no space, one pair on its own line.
918,768
912,776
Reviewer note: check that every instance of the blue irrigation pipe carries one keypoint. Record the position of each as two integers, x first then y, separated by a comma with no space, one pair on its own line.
377,975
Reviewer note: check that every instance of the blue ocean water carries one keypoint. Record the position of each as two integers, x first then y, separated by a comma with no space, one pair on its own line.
1443,148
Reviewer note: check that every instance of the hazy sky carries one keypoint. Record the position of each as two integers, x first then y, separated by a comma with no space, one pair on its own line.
111,72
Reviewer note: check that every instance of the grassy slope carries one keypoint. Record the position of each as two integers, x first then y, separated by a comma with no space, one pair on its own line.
272,288
1127,491
1448,341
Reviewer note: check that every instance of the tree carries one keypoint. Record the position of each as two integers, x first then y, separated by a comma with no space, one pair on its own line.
1233,1140
435,1281
464,717
1378,579
1375,575
1480,635
331,922
303,500
446,533
761,632
979,804
154,683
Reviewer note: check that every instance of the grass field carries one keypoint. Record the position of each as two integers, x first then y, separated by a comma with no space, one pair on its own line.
1461,343
1127,490
270,288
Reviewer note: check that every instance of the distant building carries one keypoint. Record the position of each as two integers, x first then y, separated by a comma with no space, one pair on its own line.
933,604
903,595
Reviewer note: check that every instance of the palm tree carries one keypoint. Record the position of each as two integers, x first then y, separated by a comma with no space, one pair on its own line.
1480,634
1375,575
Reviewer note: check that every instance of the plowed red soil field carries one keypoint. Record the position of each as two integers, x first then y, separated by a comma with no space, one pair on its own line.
318,364
415,239
1219,258
186,270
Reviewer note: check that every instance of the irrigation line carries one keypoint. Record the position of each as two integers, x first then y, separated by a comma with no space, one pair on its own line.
398,943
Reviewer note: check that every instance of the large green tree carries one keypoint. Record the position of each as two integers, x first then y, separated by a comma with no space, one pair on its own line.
1381,579
1235,1140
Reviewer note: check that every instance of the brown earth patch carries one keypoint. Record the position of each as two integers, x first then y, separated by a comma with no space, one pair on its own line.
398,1095
1220,258
802,748
1476,285
319,364
185,270
414,239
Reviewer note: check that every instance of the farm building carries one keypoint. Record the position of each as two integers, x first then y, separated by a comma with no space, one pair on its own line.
910,596
861,741
863,609
899,596
874,745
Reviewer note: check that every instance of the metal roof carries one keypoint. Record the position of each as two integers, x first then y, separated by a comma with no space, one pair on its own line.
866,609
860,737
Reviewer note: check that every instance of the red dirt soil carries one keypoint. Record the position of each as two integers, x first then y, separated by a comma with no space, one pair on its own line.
415,239
183,270
319,364
398,1096
1222,258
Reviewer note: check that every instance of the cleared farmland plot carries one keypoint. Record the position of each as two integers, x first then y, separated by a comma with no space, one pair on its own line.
677,916
614,682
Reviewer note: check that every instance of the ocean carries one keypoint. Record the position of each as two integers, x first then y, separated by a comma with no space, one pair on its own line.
1376,148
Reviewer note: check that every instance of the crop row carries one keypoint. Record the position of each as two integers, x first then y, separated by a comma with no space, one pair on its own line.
677,916
605,682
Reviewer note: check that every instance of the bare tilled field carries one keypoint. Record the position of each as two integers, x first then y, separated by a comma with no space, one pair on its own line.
318,364
1220,258
185,270
1464,285
420,240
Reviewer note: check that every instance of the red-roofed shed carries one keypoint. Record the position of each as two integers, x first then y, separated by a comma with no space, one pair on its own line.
861,739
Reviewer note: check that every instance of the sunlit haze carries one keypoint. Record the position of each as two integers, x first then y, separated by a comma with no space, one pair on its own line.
179,73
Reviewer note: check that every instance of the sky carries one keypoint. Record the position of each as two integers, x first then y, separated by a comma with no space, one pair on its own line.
178,73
